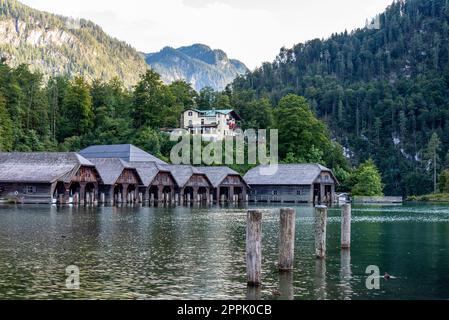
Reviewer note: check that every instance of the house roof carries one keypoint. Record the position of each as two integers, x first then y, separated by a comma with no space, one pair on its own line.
40,167
148,171
287,174
182,173
126,152
110,169
214,112
216,175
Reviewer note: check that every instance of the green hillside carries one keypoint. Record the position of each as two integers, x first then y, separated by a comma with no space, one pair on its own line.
382,91
56,45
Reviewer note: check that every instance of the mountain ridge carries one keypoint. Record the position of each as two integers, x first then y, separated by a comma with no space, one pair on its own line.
197,64
58,45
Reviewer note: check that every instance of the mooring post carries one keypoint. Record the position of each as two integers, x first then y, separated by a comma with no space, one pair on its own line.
254,247
346,226
320,231
287,239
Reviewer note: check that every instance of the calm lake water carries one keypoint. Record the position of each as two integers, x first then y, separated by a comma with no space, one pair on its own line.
199,253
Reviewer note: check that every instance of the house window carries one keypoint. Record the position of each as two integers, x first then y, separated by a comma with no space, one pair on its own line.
326,178
298,193
202,122
190,123
275,193
30,189
190,114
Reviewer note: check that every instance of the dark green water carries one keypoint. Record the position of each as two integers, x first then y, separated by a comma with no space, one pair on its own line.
199,253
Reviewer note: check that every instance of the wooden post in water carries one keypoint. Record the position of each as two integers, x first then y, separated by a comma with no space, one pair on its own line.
254,247
287,239
102,198
346,226
320,231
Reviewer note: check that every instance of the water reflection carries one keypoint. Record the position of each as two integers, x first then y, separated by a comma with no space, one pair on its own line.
345,274
253,293
320,279
142,252
286,291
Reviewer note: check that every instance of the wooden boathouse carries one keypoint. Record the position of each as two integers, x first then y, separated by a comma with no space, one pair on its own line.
120,181
228,185
158,183
48,177
293,183
192,184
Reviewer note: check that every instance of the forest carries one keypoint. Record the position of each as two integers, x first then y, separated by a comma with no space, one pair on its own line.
383,92
357,102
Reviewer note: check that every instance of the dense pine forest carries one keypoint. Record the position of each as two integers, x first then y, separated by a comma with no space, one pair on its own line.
361,99
383,92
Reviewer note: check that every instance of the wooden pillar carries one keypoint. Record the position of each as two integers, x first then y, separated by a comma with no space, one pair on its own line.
66,195
207,195
195,194
346,226
244,194
312,191
160,190
322,194
320,231
82,193
124,193
254,247
217,195
231,194
287,239
147,194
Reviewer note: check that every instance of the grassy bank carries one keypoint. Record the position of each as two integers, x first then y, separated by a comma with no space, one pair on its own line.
434,197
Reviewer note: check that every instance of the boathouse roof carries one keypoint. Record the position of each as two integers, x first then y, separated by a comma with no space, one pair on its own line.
216,175
148,170
40,167
287,174
126,152
182,173
110,169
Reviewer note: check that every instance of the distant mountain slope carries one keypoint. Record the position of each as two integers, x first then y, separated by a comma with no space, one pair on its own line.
383,90
197,64
58,45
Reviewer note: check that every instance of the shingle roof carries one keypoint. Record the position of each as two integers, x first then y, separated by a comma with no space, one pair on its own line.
40,167
126,152
181,173
110,169
216,175
147,171
287,174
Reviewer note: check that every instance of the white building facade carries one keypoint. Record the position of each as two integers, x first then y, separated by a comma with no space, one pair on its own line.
211,124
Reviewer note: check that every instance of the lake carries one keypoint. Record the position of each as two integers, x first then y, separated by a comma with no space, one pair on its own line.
199,253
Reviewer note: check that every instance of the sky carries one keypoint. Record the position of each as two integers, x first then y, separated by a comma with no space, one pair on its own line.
252,31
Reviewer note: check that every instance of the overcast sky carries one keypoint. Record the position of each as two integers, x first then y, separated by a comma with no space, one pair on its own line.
252,31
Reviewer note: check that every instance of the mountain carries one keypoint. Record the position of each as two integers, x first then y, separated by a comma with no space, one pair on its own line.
197,64
58,45
383,90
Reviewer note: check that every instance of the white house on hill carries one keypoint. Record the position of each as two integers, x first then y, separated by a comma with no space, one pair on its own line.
212,124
